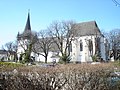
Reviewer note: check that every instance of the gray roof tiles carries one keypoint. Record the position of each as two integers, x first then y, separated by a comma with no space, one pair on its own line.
87,28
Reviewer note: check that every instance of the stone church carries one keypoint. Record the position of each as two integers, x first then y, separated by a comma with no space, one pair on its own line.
89,42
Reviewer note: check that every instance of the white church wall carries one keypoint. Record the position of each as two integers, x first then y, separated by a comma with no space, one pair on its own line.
102,47
76,54
21,47
84,56
87,55
41,58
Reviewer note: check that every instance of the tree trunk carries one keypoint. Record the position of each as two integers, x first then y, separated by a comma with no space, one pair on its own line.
45,59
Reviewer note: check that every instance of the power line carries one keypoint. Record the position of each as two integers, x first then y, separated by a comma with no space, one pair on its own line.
116,3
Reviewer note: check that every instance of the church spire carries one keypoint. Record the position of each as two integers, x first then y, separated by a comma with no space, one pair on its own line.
28,26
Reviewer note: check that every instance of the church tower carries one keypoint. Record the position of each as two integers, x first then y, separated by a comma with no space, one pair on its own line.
27,31
24,38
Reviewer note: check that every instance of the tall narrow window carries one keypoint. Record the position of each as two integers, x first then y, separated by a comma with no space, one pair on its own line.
97,45
70,48
90,46
81,46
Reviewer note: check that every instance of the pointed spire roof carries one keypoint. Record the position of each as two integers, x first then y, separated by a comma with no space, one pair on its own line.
28,26
27,33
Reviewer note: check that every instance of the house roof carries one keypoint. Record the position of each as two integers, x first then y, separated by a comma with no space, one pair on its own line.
6,52
3,52
87,28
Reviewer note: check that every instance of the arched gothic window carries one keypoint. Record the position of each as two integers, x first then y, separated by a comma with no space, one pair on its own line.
81,45
70,48
97,46
90,46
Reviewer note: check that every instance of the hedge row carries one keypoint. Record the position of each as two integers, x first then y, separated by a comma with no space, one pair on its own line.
62,77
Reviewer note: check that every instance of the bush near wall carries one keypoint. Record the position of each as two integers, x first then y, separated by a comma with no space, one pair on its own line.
62,77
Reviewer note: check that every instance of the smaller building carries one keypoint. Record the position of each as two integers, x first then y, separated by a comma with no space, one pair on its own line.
3,55
7,55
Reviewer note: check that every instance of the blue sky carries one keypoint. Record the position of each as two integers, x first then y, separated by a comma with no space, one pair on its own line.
13,14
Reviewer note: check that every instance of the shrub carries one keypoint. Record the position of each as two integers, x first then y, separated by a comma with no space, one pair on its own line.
65,58
94,58
62,77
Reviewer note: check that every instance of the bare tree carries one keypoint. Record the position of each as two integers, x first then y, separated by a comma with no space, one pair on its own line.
44,44
114,38
62,34
26,42
15,51
11,48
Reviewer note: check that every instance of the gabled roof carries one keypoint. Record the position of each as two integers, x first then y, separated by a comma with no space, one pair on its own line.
87,28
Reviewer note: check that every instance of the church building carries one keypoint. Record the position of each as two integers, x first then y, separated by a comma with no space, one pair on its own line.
88,44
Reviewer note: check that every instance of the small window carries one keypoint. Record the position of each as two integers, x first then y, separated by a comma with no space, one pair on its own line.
81,46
